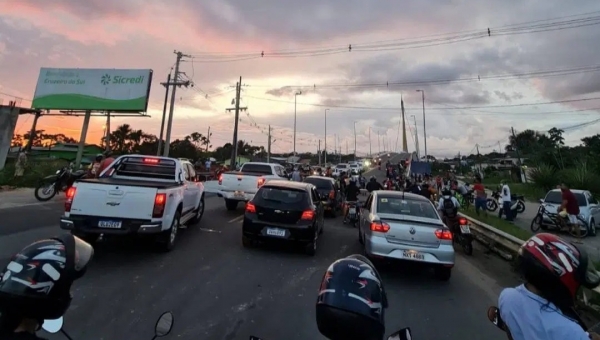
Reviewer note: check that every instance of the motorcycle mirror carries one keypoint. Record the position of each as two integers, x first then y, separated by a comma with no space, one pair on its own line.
53,326
164,325
403,334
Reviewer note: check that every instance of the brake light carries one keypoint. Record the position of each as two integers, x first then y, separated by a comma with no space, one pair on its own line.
250,208
260,182
380,227
160,201
151,160
308,215
443,234
332,194
463,221
220,179
70,196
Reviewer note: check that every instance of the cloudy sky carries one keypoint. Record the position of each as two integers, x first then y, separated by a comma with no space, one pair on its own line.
536,69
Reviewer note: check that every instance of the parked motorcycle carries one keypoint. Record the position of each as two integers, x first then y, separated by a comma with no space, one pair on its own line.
465,237
62,180
493,202
163,326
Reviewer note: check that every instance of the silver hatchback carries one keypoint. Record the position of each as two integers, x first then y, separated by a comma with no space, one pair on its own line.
406,226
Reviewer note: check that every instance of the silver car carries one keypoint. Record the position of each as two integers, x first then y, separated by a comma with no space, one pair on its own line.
406,226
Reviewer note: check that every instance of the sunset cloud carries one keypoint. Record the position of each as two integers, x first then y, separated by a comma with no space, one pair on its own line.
409,41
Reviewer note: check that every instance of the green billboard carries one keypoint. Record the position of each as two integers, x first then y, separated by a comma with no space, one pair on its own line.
93,89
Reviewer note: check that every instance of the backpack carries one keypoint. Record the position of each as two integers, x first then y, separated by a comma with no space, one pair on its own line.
449,207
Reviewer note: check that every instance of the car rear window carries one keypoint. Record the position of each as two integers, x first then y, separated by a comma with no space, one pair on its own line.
157,168
285,196
406,206
341,166
262,169
320,183
555,197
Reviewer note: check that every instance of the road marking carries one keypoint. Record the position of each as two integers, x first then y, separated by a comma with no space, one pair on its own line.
237,219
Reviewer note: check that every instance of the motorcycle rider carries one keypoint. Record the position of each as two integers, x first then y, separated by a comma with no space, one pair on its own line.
544,306
352,193
36,284
93,168
108,159
374,185
352,301
448,205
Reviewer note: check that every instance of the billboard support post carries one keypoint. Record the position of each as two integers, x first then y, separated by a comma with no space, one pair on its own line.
84,128
107,132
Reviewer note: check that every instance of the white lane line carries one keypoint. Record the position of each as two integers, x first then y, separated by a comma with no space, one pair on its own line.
237,219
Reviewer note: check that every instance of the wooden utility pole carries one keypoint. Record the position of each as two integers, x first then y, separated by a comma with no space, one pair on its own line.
319,152
237,109
208,139
175,83
519,161
269,146
164,115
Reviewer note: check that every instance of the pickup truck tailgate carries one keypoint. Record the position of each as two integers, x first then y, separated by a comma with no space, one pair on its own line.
245,183
93,199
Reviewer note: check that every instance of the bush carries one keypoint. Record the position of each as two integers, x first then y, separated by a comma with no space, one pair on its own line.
544,177
581,177
34,171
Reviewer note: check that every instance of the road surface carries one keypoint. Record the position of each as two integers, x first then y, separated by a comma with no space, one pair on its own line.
219,290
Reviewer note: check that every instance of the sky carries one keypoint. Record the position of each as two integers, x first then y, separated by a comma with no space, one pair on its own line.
536,69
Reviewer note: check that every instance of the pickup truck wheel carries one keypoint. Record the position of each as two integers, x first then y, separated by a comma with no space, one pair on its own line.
231,204
166,241
199,212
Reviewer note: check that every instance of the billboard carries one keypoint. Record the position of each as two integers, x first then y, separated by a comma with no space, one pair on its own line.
92,89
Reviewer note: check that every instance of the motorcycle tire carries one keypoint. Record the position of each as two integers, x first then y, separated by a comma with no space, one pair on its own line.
491,204
520,207
467,246
40,186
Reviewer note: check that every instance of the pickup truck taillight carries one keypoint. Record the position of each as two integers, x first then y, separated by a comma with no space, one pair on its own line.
308,215
220,179
260,182
160,201
70,195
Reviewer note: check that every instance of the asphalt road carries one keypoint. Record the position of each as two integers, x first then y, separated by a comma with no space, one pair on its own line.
219,290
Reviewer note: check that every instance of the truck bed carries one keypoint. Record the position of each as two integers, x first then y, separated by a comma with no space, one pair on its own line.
131,183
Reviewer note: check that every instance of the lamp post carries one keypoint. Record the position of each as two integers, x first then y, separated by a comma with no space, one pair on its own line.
295,116
326,136
424,125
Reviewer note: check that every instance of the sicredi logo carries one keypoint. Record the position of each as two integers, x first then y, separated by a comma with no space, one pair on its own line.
119,80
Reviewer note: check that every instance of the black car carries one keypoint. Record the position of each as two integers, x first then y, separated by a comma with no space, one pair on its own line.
286,211
329,192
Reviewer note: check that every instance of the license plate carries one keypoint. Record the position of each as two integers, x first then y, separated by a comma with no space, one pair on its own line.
413,255
110,224
275,232
239,194
352,210
465,229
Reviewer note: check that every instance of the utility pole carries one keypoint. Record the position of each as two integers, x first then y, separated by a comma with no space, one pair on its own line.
208,139
512,130
164,115
355,140
404,141
107,137
319,152
175,83
325,140
417,139
295,116
269,146
32,133
424,125
499,149
478,158
335,144
370,153
378,142
237,108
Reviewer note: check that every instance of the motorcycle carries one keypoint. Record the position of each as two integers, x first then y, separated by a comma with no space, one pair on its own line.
493,203
403,334
353,213
163,326
62,180
465,237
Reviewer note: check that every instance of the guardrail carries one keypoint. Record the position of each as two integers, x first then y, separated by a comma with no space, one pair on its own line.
512,244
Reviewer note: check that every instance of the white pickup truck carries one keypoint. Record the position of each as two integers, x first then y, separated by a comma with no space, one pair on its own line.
136,195
241,186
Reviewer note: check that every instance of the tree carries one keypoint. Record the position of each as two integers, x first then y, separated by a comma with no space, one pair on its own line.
556,137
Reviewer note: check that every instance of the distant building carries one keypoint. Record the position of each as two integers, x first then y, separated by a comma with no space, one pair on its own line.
65,151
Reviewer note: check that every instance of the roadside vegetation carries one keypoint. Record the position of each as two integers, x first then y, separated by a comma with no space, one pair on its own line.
498,223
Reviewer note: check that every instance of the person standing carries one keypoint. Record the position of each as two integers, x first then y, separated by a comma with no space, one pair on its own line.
506,202
570,204
296,177
20,164
480,196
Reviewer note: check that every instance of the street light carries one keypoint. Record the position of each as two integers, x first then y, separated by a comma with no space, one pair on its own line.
295,116
424,125
326,136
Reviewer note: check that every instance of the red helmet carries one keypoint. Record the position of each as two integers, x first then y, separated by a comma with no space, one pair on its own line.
550,254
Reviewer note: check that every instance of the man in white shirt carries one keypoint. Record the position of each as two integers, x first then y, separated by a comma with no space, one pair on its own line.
296,177
506,202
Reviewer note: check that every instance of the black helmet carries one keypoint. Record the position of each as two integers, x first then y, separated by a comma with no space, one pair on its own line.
351,301
37,281
99,157
373,179
446,192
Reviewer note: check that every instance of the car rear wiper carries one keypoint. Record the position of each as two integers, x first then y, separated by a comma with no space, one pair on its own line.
273,200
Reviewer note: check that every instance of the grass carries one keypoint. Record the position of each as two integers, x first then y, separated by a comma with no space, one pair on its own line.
500,224
528,190
34,172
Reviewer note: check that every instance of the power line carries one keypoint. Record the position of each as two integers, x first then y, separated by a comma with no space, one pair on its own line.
413,83
546,25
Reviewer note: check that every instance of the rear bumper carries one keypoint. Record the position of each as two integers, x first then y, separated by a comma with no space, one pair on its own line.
89,225
378,246
296,233
237,196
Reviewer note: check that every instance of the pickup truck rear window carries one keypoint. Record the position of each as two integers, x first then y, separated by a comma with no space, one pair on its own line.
262,169
138,167
281,196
